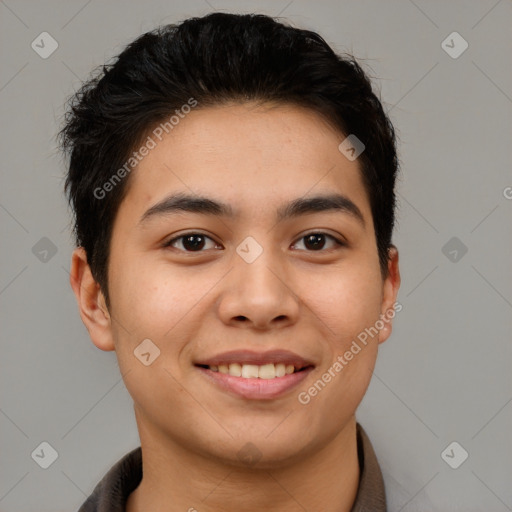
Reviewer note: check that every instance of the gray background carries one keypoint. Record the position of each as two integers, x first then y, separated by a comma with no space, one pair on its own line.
443,376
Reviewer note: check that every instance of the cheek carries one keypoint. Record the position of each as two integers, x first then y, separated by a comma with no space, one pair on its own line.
348,307
347,303
150,299
150,304
158,303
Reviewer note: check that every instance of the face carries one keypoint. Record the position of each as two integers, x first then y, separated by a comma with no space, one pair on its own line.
245,244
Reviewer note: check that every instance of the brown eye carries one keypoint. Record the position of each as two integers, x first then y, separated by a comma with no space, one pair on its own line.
191,242
318,241
314,241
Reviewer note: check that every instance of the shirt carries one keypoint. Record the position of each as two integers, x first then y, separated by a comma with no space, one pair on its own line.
111,493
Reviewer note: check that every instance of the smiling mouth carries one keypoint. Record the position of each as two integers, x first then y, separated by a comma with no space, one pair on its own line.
252,371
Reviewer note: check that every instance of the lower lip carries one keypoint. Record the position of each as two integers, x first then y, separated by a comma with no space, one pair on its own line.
256,389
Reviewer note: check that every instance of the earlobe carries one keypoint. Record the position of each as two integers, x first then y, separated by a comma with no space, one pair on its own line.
91,302
389,294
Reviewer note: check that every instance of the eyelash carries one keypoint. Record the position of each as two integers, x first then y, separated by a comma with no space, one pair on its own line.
338,242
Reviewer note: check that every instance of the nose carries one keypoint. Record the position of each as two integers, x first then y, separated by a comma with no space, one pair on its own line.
258,295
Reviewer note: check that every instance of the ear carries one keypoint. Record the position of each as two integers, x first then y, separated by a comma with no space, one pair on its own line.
389,306
91,301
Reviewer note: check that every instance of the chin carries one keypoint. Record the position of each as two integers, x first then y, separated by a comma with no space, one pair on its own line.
262,451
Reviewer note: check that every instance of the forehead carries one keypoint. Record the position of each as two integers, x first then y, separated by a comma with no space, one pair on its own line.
250,156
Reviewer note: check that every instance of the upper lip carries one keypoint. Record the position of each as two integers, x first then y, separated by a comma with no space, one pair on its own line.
256,358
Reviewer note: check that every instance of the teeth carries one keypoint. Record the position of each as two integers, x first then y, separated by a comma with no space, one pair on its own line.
249,371
235,370
253,371
280,370
267,371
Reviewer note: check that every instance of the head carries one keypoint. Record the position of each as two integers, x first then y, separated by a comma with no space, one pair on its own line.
225,131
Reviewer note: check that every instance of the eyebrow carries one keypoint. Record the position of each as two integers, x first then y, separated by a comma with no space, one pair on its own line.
203,205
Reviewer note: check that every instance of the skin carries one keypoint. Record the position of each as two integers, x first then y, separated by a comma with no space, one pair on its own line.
194,305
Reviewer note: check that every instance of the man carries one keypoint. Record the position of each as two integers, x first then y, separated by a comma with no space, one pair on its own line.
232,180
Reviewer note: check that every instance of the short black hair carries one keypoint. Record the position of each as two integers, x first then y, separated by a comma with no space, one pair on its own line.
214,60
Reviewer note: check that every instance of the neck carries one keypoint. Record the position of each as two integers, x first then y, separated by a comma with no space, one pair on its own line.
174,479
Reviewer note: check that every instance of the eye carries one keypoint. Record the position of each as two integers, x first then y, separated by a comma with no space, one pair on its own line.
318,241
196,242
191,242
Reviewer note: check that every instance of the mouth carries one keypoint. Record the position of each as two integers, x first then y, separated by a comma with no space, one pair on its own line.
253,371
256,376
